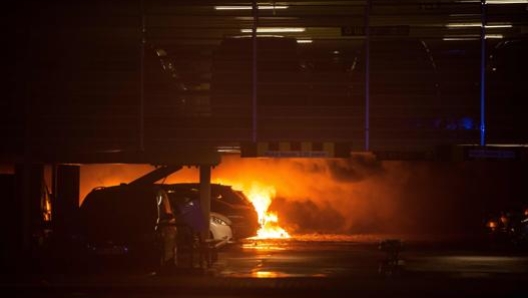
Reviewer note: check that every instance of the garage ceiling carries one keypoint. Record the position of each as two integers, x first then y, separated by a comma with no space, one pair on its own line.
193,31
77,72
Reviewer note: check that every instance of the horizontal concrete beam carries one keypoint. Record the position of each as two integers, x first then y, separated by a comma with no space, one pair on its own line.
183,155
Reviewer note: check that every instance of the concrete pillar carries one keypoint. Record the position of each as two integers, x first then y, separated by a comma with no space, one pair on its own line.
65,203
27,219
205,197
8,221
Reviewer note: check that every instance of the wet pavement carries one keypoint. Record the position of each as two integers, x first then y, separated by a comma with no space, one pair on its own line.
359,256
330,257
311,265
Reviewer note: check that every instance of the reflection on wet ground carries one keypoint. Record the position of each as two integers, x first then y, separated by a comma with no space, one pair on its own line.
318,255
306,256
311,266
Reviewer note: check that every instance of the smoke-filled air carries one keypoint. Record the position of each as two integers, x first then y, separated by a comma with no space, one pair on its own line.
352,196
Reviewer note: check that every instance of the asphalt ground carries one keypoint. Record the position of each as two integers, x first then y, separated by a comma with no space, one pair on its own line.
309,265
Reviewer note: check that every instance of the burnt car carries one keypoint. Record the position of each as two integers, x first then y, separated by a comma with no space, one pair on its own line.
225,200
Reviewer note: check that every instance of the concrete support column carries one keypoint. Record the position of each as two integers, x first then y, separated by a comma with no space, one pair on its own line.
27,219
65,203
205,197
8,221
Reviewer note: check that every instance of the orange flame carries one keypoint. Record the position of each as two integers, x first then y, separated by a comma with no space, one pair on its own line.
261,197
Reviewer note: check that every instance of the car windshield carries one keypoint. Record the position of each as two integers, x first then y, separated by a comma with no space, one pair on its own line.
228,195
184,192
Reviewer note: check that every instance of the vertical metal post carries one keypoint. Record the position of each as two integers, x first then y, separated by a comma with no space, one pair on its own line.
55,191
142,80
24,173
255,79
25,197
54,185
367,75
483,74
205,197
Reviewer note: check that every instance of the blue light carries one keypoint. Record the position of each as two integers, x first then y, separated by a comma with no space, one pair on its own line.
466,123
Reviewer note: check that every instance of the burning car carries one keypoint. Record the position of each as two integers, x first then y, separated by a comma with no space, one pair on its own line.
232,204
189,213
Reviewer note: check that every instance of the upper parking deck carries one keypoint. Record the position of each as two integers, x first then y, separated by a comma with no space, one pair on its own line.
157,76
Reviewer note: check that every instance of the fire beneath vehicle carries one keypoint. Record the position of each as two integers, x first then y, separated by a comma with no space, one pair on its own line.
261,197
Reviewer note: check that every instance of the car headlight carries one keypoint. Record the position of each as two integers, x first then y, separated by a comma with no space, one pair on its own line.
218,221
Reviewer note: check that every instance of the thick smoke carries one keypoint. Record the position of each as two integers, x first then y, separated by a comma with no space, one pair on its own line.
359,195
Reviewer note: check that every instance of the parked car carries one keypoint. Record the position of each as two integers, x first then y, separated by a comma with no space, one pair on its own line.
121,223
225,200
509,228
139,223
232,204
188,213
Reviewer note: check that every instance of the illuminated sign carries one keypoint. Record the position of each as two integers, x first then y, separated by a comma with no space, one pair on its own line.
492,153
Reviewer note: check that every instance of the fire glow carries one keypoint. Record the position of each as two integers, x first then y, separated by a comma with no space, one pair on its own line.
259,193
309,196
261,197
291,197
